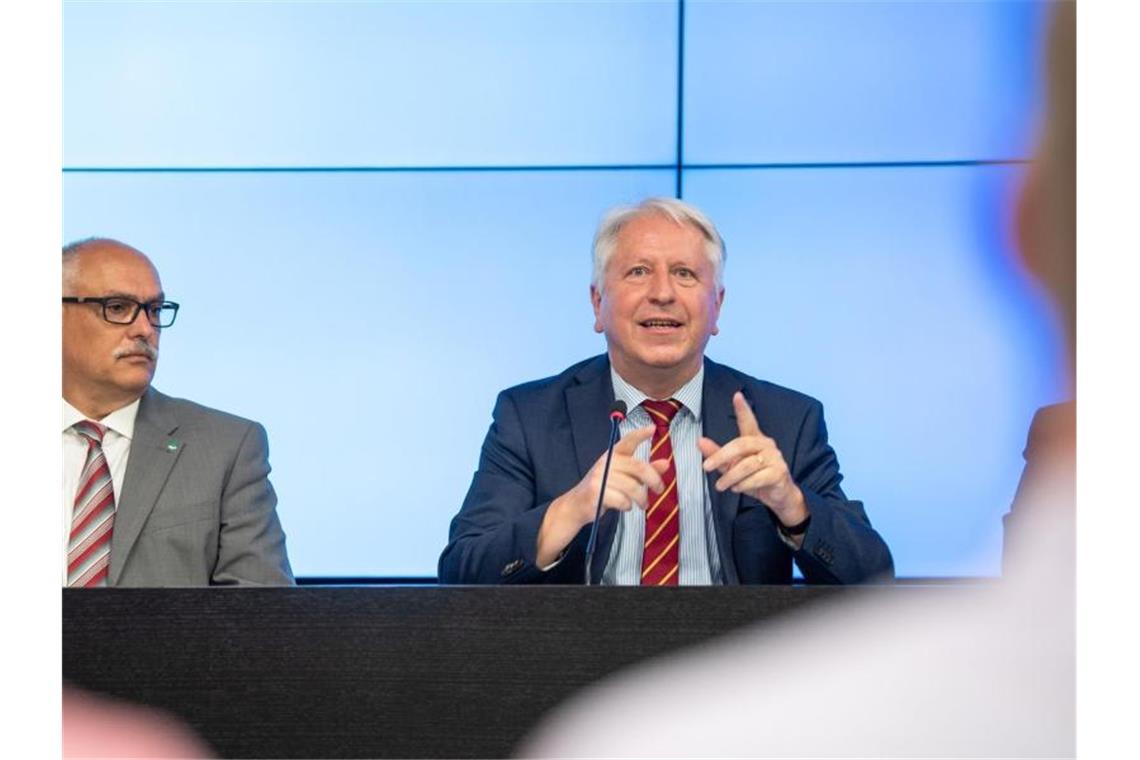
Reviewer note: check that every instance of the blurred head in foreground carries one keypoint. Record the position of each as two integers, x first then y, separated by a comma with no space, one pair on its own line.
95,726
1047,208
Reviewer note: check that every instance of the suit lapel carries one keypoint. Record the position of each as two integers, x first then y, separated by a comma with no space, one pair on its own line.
719,423
587,403
153,454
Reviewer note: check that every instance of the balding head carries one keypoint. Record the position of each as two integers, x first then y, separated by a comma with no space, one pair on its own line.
74,254
107,366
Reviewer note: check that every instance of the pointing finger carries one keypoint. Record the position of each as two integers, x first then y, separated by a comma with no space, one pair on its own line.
707,446
745,420
631,440
623,491
660,466
643,472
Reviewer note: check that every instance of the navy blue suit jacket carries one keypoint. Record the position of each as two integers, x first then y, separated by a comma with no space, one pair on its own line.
547,434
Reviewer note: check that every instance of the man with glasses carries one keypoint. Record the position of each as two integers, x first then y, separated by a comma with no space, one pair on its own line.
158,491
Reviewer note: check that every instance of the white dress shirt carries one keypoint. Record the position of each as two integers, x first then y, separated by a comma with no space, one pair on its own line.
120,426
698,556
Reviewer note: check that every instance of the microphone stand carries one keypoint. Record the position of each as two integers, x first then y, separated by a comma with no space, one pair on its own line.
617,414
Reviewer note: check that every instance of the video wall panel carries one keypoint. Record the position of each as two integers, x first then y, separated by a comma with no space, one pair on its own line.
369,84
292,168
892,296
795,82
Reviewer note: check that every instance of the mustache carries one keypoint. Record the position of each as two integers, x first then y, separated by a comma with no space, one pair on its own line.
140,346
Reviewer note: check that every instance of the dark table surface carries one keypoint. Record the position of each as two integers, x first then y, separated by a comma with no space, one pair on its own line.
389,672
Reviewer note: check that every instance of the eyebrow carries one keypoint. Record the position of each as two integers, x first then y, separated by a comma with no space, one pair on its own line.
671,264
121,294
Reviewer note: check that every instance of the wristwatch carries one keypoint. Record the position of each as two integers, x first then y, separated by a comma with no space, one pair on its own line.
793,531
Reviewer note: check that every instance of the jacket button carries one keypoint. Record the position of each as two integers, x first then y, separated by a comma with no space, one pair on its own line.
823,551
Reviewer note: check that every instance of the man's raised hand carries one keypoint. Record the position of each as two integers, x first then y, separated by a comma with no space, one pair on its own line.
628,483
752,464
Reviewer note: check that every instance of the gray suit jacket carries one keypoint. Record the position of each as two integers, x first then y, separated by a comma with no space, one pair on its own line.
196,507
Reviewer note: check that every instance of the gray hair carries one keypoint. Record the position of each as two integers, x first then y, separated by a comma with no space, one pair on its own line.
614,220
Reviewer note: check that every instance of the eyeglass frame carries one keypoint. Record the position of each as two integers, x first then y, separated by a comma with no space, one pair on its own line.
139,306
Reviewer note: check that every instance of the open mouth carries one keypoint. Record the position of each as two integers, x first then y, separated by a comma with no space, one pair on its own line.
660,324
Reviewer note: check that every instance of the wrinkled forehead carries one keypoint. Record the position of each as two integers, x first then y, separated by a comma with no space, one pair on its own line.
112,270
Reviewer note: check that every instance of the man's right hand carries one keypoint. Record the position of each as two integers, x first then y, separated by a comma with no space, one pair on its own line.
628,484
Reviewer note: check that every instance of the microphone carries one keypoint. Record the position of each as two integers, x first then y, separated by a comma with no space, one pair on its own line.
617,415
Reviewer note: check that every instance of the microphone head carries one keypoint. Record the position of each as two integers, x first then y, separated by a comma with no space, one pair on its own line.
618,410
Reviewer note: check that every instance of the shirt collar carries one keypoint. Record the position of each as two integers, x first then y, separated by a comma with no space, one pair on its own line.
689,394
121,421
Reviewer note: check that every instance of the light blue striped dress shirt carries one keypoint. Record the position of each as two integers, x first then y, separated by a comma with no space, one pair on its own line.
700,560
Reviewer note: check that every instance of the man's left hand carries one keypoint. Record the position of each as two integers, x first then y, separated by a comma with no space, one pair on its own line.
752,464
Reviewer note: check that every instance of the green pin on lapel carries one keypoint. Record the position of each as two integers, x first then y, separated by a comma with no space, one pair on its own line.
172,445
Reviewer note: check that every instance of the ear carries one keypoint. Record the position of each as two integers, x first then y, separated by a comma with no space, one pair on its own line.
716,312
596,300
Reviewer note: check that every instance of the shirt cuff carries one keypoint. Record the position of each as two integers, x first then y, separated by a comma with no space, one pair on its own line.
555,563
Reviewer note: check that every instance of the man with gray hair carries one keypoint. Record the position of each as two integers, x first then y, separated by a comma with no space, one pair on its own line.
718,477
157,491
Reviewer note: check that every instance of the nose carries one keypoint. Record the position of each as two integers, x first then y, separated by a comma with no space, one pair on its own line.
141,327
661,287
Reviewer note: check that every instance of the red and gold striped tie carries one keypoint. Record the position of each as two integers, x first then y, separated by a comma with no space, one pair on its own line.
89,545
660,560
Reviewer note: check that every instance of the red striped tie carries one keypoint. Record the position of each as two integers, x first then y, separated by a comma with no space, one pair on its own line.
660,560
89,545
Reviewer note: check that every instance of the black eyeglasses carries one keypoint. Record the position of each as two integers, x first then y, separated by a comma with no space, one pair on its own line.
120,310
